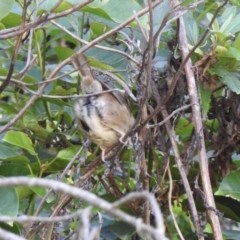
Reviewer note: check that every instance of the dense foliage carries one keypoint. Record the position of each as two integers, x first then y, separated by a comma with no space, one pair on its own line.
39,136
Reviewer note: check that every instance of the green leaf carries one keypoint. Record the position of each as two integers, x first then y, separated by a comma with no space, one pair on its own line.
11,20
21,159
23,192
68,153
39,131
229,79
205,101
230,10
236,43
13,169
21,140
117,11
233,26
40,191
215,25
122,230
231,234
230,186
5,7
9,202
34,74
7,151
226,23
13,229
234,53
8,108
49,4
63,52
184,128
96,3
192,30
235,2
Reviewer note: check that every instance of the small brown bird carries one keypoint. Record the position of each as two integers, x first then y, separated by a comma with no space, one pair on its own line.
104,118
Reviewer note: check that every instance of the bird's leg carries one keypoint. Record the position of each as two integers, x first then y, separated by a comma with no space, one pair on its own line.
103,154
127,141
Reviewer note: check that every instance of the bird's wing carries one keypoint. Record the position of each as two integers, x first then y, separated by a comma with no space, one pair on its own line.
114,114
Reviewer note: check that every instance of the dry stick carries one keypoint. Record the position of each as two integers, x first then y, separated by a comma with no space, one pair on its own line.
181,170
170,116
115,30
5,235
94,200
28,219
197,118
16,49
143,131
170,201
15,31
179,71
50,191
96,46
66,199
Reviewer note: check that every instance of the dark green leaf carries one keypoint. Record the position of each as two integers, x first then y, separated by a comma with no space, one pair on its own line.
8,202
230,186
13,169
19,139
5,7
229,79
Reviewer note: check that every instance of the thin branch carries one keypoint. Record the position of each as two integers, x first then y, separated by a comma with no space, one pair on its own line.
198,122
60,178
170,202
170,116
181,170
15,31
90,198
16,49
96,46
177,75
5,235
29,219
73,96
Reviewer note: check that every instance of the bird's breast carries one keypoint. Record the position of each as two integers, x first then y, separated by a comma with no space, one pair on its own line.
90,120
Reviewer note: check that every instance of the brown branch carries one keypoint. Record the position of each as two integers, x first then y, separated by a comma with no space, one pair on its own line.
182,172
178,73
193,93
15,53
13,32
143,229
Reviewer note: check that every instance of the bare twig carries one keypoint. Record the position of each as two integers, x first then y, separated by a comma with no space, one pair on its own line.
193,93
16,49
143,229
170,202
96,46
5,235
15,31
178,73
170,115
188,190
